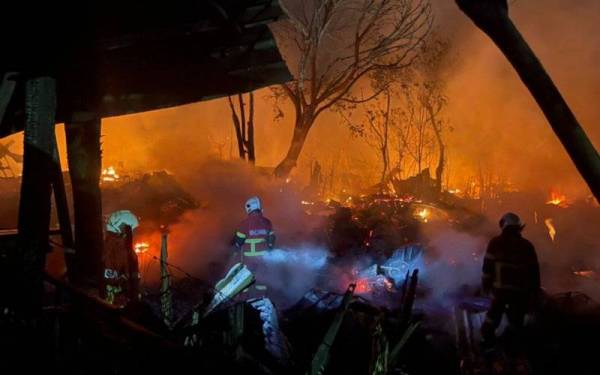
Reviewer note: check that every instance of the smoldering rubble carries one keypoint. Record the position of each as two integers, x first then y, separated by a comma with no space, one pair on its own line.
382,280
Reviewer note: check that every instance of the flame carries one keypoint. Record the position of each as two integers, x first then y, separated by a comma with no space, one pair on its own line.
557,199
423,214
141,247
551,228
307,203
109,174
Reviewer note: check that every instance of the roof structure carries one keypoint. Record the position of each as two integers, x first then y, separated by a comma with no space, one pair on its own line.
112,57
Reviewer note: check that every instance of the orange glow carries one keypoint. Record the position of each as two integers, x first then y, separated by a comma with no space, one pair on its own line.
558,199
141,247
588,274
362,286
551,229
423,214
109,175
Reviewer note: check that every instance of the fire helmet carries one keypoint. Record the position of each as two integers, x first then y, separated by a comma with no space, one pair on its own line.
510,219
118,218
253,204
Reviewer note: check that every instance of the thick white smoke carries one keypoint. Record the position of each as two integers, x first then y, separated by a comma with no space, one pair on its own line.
291,272
454,261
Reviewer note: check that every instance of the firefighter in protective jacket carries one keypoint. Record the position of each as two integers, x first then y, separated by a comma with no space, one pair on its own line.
254,237
121,274
511,275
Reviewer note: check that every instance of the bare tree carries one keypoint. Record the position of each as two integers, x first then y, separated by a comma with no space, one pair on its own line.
431,94
332,44
415,135
421,126
244,129
375,130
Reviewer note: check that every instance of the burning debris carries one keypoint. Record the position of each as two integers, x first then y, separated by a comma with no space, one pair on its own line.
558,200
141,247
156,197
551,229
109,175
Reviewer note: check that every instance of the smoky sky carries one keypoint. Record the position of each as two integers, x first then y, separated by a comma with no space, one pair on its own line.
496,125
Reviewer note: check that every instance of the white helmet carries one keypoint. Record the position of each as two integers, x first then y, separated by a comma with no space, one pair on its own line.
253,204
118,218
510,219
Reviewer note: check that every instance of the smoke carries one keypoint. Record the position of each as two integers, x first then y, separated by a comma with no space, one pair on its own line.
200,242
452,263
290,273
498,127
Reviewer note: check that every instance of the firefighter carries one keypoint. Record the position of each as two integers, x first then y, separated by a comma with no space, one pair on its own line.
511,275
254,237
121,276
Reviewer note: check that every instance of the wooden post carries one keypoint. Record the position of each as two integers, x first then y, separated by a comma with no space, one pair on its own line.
84,157
166,299
35,199
62,209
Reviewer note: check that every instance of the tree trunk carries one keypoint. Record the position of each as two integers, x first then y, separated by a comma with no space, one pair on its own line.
491,16
385,144
439,170
384,170
250,137
437,130
301,129
238,129
35,198
84,157
242,119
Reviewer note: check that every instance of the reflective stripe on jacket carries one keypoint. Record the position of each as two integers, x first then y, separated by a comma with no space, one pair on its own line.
255,235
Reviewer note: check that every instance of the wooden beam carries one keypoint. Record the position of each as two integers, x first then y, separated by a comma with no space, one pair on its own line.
7,88
84,158
35,199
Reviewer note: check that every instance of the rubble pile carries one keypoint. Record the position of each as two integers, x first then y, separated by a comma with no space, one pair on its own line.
156,197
